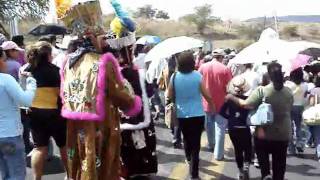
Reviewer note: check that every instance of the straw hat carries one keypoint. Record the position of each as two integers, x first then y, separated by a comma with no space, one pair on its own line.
218,52
238,85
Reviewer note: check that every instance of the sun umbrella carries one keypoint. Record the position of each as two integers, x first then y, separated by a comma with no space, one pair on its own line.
313,52
274,50
46,29
145,40
301,60
158,55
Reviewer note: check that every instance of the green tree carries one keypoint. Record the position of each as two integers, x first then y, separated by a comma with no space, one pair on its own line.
146,11
162,15
22,8
202,17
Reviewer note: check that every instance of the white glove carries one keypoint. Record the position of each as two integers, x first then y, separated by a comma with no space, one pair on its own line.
31,84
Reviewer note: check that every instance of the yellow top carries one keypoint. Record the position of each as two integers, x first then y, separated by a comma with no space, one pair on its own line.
46,98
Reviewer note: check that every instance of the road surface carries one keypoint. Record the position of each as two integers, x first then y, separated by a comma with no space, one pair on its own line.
172,165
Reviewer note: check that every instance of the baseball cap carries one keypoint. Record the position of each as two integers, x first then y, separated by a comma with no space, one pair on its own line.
10,45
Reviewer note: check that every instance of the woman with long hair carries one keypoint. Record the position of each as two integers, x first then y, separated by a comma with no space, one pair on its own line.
272,139
12,156
45,119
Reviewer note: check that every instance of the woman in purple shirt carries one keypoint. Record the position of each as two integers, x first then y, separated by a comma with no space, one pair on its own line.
13,52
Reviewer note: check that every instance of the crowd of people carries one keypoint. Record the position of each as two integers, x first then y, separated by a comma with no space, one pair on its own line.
94,101
217,101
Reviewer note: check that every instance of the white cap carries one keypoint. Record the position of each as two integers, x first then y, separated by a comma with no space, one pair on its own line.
218,52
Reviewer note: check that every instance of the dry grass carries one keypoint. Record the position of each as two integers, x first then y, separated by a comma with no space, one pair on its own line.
218,33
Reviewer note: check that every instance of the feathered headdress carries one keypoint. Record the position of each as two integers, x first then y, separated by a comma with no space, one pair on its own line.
122,28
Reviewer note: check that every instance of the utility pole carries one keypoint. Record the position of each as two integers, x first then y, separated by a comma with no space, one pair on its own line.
276,21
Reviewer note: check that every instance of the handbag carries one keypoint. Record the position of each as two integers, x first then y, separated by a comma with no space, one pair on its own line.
171,108
311,116
262,116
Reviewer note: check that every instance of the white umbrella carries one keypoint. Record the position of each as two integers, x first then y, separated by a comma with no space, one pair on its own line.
270,48
166,49
145,40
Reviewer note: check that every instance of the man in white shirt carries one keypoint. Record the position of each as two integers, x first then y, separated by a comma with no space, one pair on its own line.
253,78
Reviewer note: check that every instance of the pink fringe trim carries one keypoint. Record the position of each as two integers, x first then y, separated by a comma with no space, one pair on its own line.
100,115
136,109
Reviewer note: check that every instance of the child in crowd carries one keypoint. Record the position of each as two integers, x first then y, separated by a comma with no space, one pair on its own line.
239,131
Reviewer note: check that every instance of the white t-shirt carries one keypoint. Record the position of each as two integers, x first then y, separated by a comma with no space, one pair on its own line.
253,80
299,92
59,60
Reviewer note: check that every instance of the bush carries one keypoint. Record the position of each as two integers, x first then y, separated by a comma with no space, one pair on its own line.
290,31
251,32
313,31
240,45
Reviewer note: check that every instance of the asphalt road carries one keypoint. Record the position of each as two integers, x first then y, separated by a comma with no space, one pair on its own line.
173,167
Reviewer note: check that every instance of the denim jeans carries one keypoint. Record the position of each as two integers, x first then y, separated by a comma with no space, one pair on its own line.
176,132
296,140
316,132
216,128
12,158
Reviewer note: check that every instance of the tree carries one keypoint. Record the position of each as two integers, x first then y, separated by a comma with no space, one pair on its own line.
146,11
22,8
162,15
202,17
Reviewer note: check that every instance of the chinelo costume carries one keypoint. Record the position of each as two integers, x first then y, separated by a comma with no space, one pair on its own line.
138,148
93,93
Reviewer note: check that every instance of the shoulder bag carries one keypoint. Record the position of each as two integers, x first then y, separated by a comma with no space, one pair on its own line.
262,116
171,108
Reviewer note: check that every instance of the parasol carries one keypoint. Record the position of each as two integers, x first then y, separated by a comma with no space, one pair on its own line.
46,29
313,52
301,60
145,40
167,48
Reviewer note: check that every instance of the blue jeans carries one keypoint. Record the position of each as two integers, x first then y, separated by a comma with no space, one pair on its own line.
12,158
216,128
296,140
316,132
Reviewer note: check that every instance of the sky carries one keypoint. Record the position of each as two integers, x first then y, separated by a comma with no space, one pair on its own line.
226,9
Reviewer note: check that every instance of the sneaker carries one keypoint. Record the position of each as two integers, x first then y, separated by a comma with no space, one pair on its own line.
240,176
177,145
219,159
196,178
210,149
246,169
256,163
300,149
269,177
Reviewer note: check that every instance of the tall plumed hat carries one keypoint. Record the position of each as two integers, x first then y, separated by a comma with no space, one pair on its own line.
122,28
80,15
